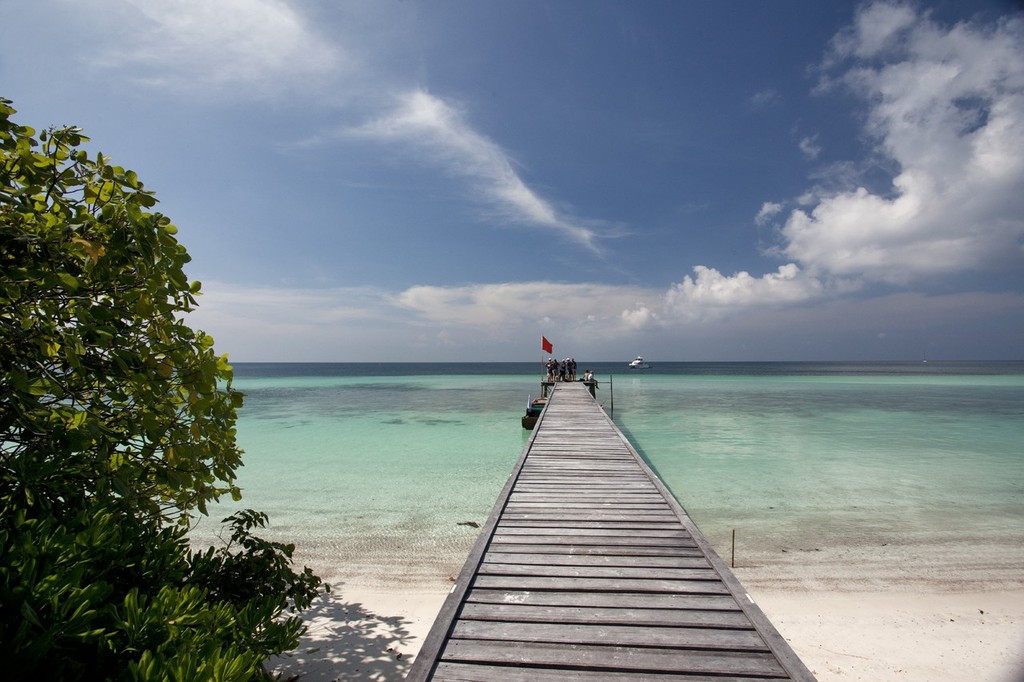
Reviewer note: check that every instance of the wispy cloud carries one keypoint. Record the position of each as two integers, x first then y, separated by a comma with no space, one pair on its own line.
263,45
769,210
765,98
270,47
439,131
809,146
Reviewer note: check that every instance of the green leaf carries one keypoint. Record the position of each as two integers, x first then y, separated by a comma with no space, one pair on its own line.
29,614
69,280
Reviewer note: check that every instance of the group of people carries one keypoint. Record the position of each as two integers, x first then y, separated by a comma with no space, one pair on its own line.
565,370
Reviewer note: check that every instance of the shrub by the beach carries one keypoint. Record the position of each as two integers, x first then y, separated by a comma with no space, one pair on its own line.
117,427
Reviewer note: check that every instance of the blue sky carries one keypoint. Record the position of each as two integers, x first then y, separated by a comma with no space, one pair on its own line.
405,181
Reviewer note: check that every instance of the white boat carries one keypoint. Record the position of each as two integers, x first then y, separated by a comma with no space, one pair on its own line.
639,363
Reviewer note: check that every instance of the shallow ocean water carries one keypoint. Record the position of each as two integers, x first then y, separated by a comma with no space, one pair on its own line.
378,471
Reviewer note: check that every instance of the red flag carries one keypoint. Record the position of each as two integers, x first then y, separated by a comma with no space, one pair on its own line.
546,345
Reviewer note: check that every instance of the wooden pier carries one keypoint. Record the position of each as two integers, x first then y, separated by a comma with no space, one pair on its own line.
589,569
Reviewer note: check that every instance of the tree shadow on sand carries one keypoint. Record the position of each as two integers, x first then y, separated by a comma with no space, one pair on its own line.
345,641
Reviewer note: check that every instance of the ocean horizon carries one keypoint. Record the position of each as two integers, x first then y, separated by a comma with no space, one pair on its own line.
369,368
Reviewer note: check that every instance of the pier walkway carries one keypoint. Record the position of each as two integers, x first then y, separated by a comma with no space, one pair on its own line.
589,569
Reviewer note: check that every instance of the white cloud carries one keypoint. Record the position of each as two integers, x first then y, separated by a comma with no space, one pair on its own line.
262,44
877,28
809,146
433,125
639,317
769,210
765,98
710,292
946,106
497,307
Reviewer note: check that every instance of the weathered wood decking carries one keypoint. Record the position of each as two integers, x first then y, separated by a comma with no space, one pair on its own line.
588,569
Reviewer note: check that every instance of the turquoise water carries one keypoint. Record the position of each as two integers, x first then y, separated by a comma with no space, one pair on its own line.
869,458
375,471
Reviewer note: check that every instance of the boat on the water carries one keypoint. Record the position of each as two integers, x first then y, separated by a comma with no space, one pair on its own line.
534,407
639,363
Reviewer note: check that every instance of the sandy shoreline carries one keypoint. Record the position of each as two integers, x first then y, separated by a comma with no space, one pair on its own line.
931,637
881,607
370,634
948,608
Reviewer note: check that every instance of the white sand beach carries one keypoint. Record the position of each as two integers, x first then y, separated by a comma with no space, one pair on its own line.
903,637
906,628
937,609
879,637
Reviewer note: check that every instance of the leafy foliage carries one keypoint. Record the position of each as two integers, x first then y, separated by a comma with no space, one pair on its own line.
101,379
117,426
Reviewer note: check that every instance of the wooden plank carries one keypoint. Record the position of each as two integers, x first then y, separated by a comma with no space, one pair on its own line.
589,496
610,550
622,540
606,633
591,532
613,523
722,601
611,616
613,658
475,672
663,516
710,586
617,572
598,560
595,505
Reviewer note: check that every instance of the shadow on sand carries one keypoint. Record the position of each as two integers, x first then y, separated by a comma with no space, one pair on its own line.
345,642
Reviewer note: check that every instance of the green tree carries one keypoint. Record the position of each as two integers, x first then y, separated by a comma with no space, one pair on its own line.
117,427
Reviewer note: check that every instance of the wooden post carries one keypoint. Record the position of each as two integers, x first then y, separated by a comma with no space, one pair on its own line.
732,562
611,392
